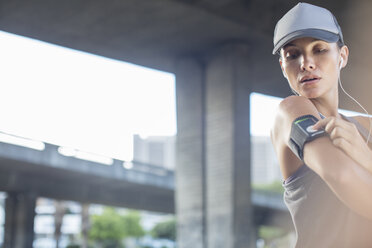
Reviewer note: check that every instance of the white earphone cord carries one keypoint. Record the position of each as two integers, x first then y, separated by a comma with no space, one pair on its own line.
370,122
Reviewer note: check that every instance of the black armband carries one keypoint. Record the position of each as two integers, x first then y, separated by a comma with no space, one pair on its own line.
302,132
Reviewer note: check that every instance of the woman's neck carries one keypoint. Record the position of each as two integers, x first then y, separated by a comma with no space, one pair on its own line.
327,105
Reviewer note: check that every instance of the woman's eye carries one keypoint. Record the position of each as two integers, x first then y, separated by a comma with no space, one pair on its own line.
320,50
291,55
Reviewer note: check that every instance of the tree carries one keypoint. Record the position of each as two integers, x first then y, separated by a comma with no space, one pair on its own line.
165,230
132,224
107,229
110,228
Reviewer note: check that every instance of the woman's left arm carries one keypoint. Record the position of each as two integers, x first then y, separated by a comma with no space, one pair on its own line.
346,136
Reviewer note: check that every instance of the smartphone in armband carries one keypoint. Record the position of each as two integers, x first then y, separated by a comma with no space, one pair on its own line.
302,131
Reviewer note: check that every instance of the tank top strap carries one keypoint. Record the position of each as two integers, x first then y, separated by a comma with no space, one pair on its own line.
360,128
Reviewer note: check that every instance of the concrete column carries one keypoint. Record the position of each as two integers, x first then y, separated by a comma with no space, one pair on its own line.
19,220
229,207
190,170
9,226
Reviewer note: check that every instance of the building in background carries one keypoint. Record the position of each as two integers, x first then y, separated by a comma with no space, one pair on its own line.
155,150
265,165
160,151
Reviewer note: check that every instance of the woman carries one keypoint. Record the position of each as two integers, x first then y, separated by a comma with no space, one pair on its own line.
328,180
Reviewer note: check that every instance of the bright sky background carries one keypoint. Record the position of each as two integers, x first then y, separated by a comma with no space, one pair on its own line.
79,100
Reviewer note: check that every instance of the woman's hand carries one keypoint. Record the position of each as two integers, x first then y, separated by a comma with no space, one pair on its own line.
346,136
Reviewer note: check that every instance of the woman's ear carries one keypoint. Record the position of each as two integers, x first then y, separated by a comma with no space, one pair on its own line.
344,53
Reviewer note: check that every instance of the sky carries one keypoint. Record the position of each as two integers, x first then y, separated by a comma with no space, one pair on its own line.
88,102
75,99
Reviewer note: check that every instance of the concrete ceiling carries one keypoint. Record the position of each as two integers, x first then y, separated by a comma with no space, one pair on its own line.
156,33
150,33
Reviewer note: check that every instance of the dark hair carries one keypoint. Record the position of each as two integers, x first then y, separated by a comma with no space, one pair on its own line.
340,44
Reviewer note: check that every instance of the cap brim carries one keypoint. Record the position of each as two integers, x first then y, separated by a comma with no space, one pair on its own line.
314,33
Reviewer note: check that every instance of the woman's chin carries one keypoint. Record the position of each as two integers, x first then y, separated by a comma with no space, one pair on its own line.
311,94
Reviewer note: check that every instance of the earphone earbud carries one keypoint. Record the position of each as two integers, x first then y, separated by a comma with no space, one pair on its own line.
341,62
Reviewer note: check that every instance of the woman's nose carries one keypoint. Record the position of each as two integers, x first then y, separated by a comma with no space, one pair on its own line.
307,63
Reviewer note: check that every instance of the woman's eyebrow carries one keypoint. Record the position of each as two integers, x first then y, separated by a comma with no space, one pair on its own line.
315,40
292,44
288,45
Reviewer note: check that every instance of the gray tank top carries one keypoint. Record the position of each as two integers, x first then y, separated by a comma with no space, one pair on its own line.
319,217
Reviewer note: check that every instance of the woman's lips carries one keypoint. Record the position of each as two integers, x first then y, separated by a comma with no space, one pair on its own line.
311,81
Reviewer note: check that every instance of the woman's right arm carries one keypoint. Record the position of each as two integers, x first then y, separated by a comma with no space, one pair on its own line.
349,181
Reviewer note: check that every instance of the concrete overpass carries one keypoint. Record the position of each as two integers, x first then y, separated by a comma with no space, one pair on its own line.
46,171
220,52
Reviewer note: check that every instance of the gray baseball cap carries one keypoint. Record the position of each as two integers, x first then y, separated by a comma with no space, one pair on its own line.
306,20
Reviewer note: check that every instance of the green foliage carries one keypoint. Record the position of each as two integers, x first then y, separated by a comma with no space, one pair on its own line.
110,228
73,246
269,233
132,226
274,187
107,226
165,230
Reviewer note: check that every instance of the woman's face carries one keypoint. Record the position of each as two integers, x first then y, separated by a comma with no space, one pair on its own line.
312,66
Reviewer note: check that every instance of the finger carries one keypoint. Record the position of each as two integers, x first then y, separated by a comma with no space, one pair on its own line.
348,133
336,122
343,131
330,125
343,144
321,123
339,132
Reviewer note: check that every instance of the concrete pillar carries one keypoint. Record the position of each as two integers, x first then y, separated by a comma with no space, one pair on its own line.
229,207
213,187
190,171
9,226
19,220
